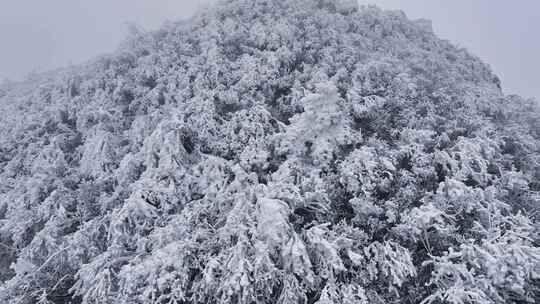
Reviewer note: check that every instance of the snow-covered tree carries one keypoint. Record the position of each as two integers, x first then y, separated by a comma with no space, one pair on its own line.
271,151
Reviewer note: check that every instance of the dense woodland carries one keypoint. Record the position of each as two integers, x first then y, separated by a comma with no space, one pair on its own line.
271,151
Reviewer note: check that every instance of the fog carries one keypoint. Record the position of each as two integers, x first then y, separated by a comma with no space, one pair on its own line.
42,35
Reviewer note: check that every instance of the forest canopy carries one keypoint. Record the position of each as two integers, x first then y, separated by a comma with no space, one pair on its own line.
271,151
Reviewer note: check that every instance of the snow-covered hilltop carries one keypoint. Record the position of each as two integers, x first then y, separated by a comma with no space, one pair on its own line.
271,151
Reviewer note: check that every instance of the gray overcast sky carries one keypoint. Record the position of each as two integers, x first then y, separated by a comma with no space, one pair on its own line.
38,35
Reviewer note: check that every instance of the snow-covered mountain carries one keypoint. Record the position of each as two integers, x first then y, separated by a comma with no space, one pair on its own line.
271,151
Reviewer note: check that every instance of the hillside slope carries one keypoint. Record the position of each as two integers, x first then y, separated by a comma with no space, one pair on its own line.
271,151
